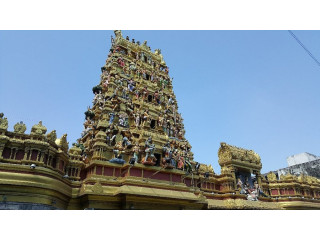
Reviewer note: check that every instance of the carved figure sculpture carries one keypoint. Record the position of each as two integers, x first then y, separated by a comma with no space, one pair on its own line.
149,150
3,122
272,177
20,127
137,119
145,117
118,151
111,119
136,150
168,160
52,136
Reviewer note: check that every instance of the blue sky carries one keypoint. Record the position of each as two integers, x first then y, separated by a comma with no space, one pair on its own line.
253,89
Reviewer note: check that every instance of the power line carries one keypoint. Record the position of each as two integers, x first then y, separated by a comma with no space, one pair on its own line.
304,47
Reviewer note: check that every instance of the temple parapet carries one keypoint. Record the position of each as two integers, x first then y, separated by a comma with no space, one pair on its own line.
291,187
38,149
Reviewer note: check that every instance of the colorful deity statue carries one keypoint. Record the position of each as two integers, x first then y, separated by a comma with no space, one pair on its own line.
126,143
168,161
145,117
160,120
118,154
131,86
137,119
149,150
112,116
132,66
145,93
136,150
116,103
180,163
123,120
142,56
240,186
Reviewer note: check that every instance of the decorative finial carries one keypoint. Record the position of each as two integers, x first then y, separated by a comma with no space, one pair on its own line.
3,122
118,33
20,127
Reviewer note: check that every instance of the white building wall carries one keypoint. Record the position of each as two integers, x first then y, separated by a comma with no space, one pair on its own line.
301,158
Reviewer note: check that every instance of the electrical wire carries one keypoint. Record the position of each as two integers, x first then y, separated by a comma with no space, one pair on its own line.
304,47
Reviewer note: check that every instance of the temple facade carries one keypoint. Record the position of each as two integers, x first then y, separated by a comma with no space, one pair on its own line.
133,154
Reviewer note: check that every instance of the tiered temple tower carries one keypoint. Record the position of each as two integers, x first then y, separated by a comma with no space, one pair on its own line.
134,113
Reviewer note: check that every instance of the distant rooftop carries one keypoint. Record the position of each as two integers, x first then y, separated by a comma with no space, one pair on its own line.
301,158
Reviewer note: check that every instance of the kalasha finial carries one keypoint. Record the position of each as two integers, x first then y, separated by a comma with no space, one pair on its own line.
118,33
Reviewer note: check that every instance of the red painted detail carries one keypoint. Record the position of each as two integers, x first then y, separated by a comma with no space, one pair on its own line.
282,192
147,174
209,197
291,191
274,192
99,170
108,171
188,182
135,172
176,178
161,176
117,172
217,187
34,155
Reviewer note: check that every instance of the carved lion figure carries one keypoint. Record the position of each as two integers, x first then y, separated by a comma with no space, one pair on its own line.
52,136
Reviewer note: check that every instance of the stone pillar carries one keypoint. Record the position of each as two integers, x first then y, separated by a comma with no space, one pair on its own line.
233,173
42,156
258,176
39,152
12,154
26,150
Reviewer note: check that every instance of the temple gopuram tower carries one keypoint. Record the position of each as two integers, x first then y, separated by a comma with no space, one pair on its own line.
134,114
